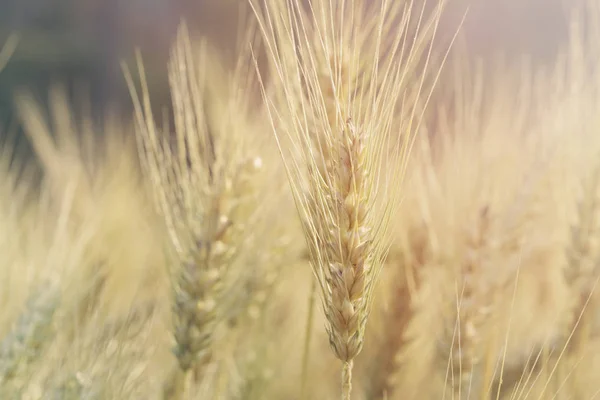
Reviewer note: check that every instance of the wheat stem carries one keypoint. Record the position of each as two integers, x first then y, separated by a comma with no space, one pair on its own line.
347,380
307,339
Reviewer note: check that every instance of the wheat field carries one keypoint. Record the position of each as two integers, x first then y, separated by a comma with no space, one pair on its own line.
348,211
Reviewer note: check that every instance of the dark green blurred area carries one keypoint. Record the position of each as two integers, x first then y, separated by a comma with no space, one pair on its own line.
49,51
79,44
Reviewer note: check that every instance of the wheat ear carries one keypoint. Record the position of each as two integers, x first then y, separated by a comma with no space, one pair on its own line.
203,189
25,342
582,270
341,68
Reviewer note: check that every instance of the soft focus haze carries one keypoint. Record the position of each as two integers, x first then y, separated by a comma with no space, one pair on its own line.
80,42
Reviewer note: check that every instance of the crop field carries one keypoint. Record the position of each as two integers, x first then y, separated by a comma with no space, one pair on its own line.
348,207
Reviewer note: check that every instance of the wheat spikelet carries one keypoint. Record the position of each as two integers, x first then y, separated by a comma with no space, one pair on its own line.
205,189
384,368
25,346
475,302
582,253
95,174
583,257
499,264
346,244
339,92
581,275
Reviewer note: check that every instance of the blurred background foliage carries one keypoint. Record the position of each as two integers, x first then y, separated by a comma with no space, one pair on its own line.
79,43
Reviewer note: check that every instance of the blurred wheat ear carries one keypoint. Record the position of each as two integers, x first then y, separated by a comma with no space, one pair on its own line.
26,341
8,49
205,178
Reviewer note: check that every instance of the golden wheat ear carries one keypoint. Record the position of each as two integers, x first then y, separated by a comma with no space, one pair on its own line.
340,70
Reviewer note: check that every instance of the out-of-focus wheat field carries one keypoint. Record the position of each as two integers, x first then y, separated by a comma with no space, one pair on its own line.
286,199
